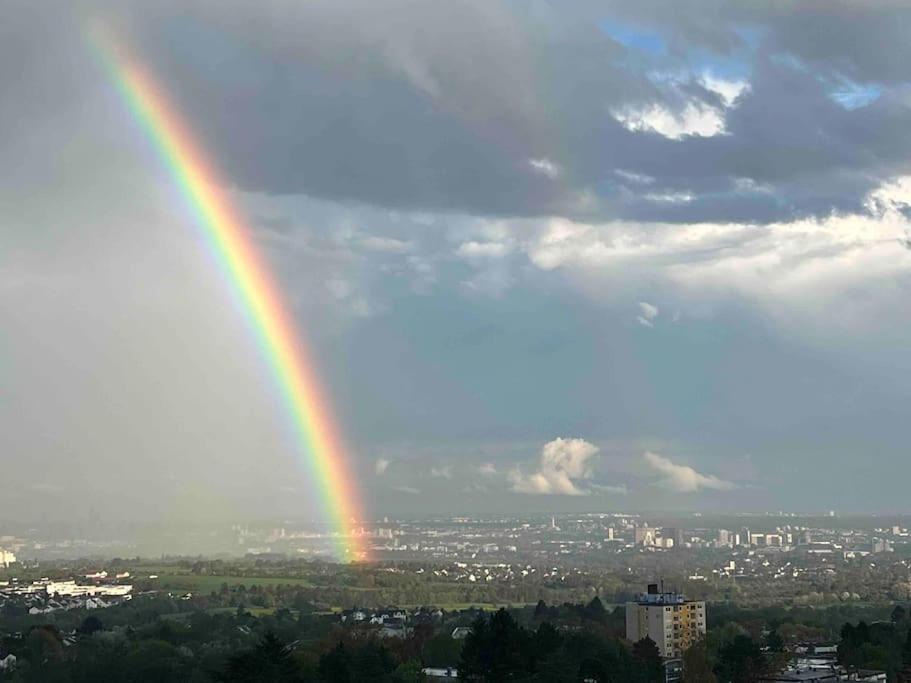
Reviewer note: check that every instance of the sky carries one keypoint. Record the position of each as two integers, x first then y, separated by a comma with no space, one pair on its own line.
547,256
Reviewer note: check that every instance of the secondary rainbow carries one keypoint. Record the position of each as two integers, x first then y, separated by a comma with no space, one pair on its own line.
229,238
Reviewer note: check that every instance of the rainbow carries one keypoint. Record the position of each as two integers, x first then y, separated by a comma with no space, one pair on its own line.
321,448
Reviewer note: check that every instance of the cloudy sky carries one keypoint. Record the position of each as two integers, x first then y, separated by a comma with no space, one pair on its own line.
549,256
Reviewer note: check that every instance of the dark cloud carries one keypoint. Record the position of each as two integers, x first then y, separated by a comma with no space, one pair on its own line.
444,106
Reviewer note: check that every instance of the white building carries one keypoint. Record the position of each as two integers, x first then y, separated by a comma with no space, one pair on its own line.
72,589
6,558
672,621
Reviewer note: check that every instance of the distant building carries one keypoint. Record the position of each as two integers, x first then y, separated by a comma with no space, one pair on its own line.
6,558
676,535
71,589
745,536
880,545
672,621
644,535
825,676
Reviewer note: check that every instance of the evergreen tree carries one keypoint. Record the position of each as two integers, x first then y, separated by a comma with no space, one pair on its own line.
646,653
740,661
270,661
696,665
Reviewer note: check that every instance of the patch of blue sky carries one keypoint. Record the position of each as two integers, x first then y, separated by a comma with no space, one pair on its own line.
635,37
847,93
856,95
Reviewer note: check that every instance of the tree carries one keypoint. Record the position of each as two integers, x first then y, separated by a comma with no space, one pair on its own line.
150,661
496,650
774,641
899,614
336,665
646,653
595,609
269,661
409,672
696,665
740,661
91,624
545,640
44,644
853,639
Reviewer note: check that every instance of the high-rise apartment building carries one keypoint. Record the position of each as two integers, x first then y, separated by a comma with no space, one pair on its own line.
672,621
6,558
643,535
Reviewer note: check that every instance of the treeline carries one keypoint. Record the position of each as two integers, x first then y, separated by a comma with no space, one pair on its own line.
499,649
884,645
151,639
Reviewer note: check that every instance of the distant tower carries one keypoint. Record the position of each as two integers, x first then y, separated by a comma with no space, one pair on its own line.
553,522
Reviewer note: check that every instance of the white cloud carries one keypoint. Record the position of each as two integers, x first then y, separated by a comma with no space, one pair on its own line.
406,489
488,469
649,311
728,90
648,314
637,178
563,463
618,490
385,245
683,478
670,197
492,275
483,250
345,292
695,118
444,472
382,464
792,268
545,167
492,282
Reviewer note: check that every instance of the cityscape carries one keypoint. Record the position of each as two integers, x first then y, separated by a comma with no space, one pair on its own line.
434,576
